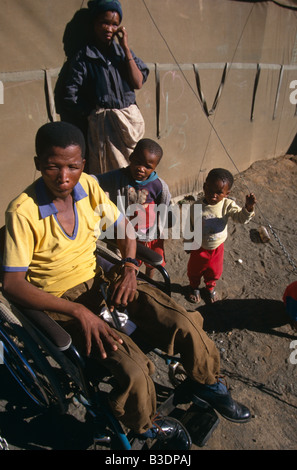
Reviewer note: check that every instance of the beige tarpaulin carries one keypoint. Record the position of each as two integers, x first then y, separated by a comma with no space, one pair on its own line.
218,93
287,3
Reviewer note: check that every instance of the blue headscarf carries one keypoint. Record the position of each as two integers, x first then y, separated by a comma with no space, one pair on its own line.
100,6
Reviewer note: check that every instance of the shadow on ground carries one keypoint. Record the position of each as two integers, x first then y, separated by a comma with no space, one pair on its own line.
25,427
259,315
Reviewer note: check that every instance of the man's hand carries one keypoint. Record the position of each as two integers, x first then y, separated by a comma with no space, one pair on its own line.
97,332
124,289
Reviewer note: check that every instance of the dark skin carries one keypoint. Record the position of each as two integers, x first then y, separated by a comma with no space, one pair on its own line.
216,190
106,28
61,169
142,164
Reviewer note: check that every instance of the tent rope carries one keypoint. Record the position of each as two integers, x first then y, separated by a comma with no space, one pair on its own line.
202,103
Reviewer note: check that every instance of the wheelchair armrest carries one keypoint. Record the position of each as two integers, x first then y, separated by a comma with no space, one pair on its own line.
47,326
143,253
47,333
106,251
148,256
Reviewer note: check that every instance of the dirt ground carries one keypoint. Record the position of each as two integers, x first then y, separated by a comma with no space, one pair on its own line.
248,325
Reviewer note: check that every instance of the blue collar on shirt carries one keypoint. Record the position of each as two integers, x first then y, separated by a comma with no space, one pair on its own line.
46,206
151,178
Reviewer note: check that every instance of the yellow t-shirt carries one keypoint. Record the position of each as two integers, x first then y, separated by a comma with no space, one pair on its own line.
37,244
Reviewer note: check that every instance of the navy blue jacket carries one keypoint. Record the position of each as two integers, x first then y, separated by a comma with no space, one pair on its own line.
94,80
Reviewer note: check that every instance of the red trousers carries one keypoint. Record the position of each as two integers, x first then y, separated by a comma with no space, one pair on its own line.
207,264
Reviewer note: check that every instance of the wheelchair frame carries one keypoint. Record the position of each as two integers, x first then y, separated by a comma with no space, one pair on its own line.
34,345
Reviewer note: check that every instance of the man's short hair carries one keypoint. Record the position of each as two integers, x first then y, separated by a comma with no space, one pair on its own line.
221,174
58,134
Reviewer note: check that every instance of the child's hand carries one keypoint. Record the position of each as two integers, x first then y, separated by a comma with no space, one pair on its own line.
250,202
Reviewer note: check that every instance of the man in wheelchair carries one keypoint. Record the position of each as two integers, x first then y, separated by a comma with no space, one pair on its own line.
49,264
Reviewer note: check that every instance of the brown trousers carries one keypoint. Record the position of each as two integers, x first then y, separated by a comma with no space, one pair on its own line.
167,326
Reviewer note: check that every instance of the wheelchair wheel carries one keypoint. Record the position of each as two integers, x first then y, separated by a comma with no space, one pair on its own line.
28,364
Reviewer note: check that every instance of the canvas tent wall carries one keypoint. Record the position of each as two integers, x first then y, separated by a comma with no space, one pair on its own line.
237,57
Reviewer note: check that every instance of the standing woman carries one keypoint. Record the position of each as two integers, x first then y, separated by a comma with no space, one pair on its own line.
100,87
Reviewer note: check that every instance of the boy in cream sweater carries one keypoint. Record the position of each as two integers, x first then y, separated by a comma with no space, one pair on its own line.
207,261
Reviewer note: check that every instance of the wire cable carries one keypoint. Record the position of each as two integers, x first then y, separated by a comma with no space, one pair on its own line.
291,262
189,84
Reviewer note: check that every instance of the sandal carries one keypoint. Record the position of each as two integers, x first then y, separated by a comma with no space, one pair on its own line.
212,296
194,296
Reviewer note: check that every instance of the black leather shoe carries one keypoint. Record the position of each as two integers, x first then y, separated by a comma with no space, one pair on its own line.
169,433
218,397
